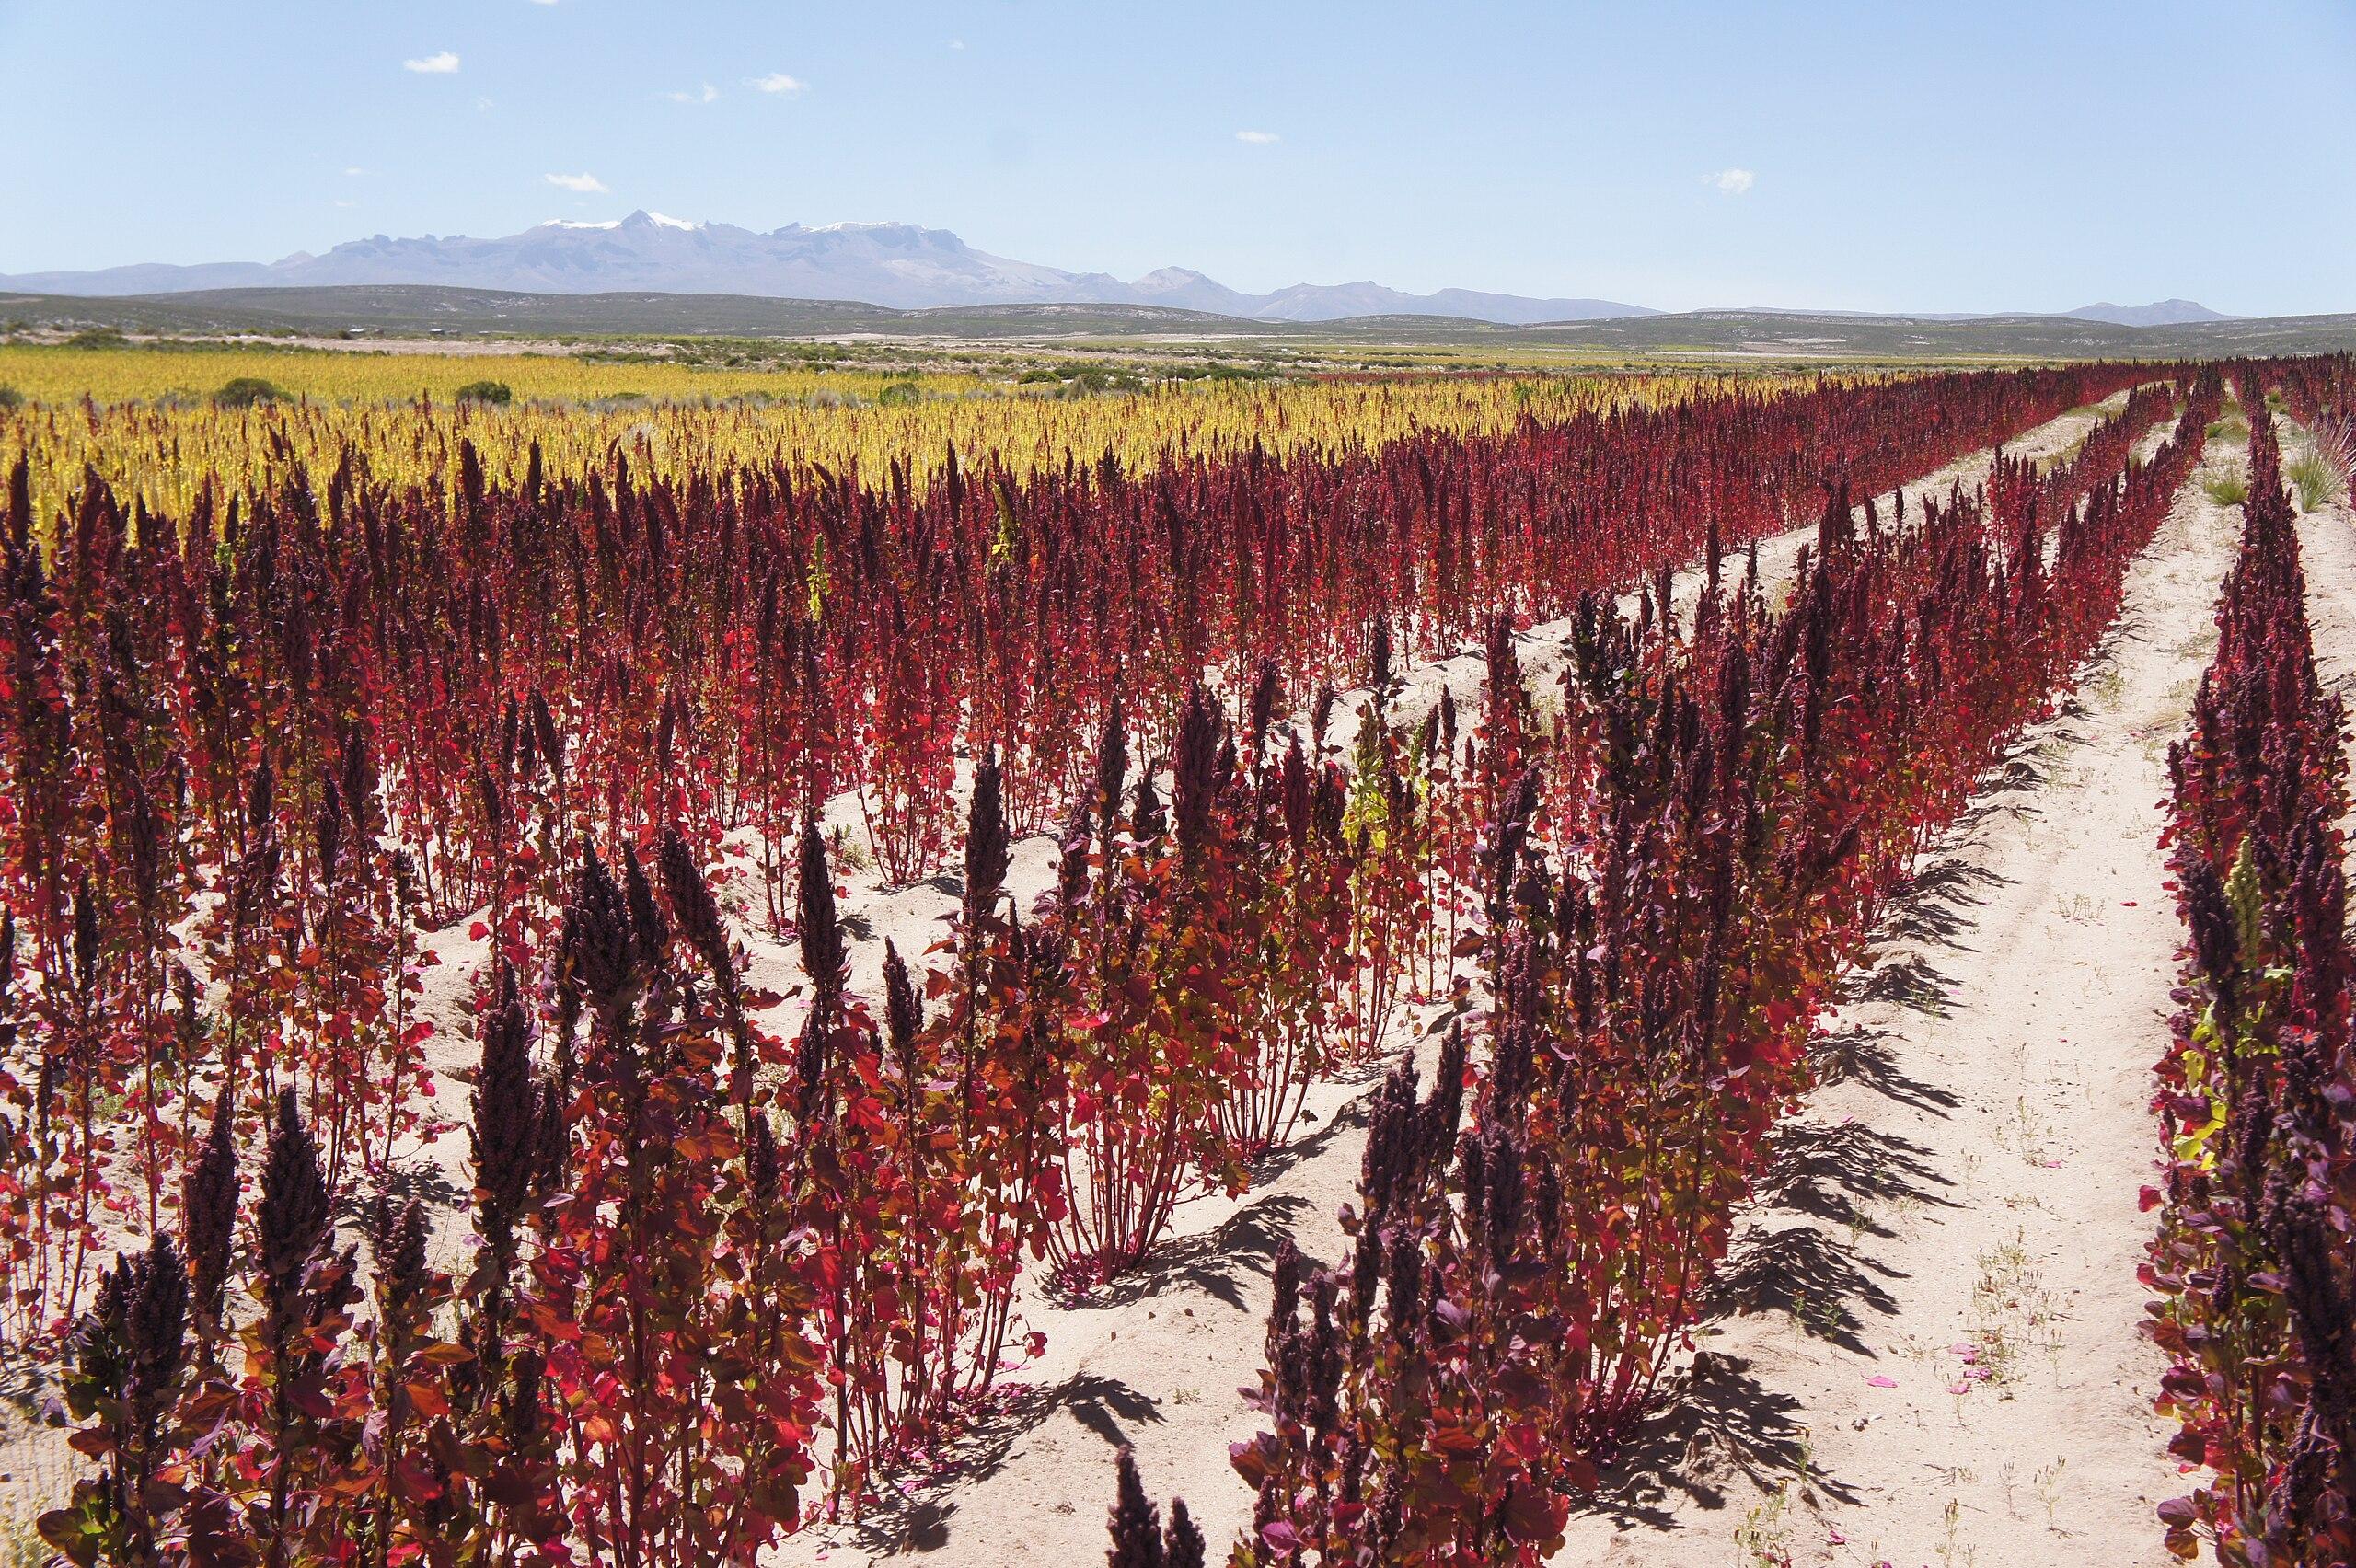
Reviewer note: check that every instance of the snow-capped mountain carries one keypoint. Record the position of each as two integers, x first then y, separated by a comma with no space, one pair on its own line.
898,265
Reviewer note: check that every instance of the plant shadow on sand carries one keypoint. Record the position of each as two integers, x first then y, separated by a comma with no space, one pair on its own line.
1910,981
1934,903
415,1180
1827,1173
1828,1170
1862,1055
2026,769
917,1516
1215,1262
1713,1422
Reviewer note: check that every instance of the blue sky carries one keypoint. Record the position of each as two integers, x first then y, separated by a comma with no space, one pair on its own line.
1966,156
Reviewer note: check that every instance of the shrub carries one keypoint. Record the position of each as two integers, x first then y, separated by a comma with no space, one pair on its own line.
2319,482
1104,378
485,392
900,395
245,391
11,399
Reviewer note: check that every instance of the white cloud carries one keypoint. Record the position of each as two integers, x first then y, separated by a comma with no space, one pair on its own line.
1258,138
343,203
482,105
778,81
586,184
1731,181
957,43
442,64
704,94
356,171
543,2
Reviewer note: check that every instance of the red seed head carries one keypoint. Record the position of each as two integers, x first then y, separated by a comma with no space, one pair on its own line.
986,841
209,1209
822,955
1136,1523
293,1220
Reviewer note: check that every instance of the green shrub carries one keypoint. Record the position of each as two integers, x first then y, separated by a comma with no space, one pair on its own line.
11,399
98,338
1039,378
2319,482
2230,488
900,395
245,391
1103,378
486,392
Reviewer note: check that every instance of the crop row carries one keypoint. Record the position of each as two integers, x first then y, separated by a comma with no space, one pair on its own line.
2251,1269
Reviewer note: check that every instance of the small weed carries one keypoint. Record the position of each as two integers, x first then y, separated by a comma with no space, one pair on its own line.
2049,1486
848,852
2012,1312
2033,1132
2228,488
1764,1537
1952,1553
1814,1316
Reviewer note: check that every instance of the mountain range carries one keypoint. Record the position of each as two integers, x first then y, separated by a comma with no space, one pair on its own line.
900,266
897,265
2159,313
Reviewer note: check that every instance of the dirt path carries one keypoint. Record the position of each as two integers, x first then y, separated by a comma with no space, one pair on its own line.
1935,1356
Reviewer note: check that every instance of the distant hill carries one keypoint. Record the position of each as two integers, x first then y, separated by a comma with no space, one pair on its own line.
1758,336
898,266
2159,313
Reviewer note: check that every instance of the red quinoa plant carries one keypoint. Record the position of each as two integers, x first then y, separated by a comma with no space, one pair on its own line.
2254,1292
